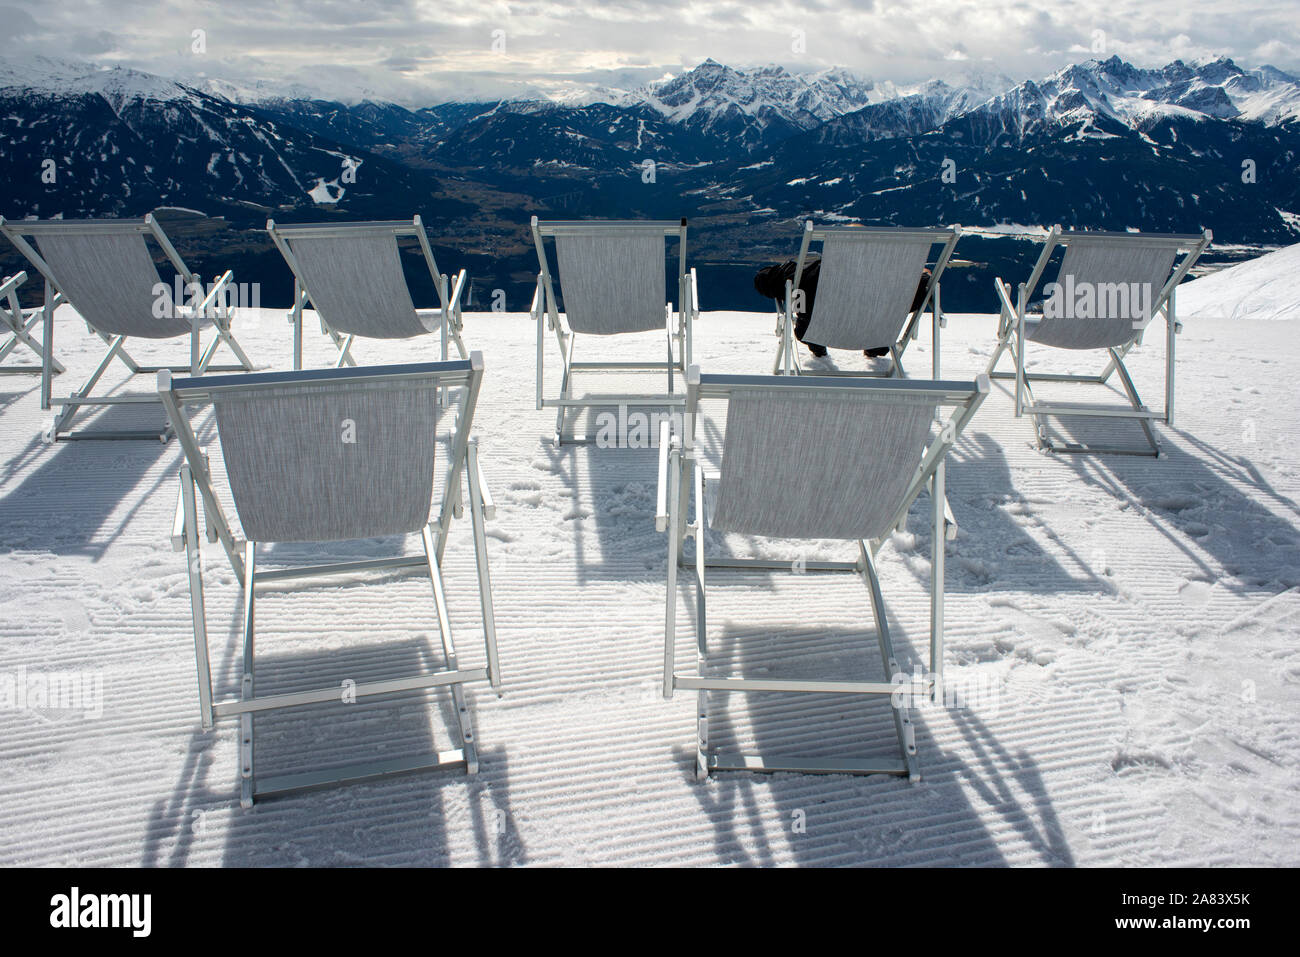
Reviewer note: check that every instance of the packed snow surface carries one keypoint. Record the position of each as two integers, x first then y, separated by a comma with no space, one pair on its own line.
1137,620
1261,288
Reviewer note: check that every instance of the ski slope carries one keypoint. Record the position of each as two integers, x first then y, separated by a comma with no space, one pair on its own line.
1136,621
1260,288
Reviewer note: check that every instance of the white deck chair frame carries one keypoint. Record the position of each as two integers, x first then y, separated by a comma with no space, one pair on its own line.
787,358
196,488
682,478
449,293
545,313
213,307
1012,339
19,323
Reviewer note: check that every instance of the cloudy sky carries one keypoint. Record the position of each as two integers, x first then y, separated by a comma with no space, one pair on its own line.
422,51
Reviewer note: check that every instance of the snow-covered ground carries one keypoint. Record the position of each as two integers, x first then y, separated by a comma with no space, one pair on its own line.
1137,620
1260,288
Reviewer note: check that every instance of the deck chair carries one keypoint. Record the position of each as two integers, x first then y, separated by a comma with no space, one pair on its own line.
18,324
612,280
293,479
1127,277
865,291
105,270
862,451
352,275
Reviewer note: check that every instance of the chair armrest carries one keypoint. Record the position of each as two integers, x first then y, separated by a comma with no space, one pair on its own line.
661,495
1005,297
217,288
12,283
454,305
178,519
539,308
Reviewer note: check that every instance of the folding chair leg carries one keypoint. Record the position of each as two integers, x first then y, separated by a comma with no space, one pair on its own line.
566,384
1127,382
674,554
253,787
1116,365
21,335
707,762
463,717
937,573
702,736
47,344
206,358
345,350
478,520
193,560
225,335
787,356
670,361
896,364
699,530
246,788
778,363
903,726
791,350
1171,334
998,352
65,415
460,343
295,319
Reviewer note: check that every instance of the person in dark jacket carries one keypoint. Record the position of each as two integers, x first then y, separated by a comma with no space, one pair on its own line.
770,282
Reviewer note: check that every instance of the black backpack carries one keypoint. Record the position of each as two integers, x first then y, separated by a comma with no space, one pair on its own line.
769,282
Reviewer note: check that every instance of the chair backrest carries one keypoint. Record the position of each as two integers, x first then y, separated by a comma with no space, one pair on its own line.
1122,277
1109,285
612,274
835,459
867,282
329,455
105,270
352,273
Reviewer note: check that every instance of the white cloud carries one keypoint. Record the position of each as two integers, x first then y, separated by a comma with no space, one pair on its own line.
418,51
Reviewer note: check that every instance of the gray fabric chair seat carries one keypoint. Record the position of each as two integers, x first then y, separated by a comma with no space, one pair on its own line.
864,290
802,465
1110,270
294,478
112,282
1099,334
613,282
356,284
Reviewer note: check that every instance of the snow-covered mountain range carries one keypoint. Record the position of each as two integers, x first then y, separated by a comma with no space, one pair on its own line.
742,152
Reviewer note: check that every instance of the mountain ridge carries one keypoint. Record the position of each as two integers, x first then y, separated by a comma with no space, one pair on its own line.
745,154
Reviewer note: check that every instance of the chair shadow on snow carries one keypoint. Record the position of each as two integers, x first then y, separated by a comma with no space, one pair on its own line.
994,549
853,820
115,473
610,500
15,389
875,819
405,819
1192,496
